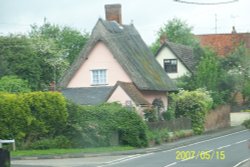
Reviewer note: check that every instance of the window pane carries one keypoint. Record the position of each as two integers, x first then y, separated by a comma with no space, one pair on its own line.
170,65
98,77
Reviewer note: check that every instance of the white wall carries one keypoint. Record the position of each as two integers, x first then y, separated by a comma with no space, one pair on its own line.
238,118
165,53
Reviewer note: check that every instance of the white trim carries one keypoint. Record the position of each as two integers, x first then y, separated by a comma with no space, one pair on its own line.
106,77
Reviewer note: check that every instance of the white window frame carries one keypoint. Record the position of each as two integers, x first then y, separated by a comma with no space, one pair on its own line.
99,80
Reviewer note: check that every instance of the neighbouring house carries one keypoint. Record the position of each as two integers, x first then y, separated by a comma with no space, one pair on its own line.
177,60
116,66
223,44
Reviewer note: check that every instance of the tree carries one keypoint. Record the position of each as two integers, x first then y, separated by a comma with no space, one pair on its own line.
43,56
37,60
208,71
176,31
51,61
13,84
210,74
67,39
238,66
19,58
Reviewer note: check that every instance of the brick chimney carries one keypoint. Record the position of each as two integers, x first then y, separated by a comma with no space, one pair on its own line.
113,13
163,38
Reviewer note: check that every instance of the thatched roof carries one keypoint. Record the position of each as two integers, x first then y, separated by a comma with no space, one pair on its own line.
182,52
130,51
132,92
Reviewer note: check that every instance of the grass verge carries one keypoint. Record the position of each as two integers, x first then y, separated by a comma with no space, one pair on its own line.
69,151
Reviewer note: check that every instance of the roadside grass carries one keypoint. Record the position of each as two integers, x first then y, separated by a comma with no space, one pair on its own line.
18,153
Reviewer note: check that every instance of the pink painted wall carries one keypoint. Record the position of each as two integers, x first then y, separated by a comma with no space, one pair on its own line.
119,95
151,95
99,58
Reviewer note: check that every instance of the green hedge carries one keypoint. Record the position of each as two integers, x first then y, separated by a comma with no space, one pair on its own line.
14,116
29,117
49,114
92,126
193,104
246,123
42,120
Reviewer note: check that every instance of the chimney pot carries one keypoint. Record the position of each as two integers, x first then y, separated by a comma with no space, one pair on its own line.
113,13
163,39
234,30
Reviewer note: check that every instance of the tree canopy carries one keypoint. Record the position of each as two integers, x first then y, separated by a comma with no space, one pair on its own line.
67,39
13,84
176,31
42,56
238,66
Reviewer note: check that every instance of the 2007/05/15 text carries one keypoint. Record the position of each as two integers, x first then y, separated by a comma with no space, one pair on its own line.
203,155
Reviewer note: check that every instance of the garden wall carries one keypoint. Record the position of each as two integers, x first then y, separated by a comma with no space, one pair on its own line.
218,118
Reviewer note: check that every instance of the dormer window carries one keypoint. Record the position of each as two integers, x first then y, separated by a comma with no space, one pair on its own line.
99,77
170,65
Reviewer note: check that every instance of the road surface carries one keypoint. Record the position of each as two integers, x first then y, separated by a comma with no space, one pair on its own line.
222,151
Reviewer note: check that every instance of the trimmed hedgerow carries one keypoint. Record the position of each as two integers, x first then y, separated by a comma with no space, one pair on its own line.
93,126
14,116
32,116
49,113
132,129
42,120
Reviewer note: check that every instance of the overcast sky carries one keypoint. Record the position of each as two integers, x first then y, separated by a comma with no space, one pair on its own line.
148,16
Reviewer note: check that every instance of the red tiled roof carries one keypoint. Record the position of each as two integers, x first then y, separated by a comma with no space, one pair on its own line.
223,44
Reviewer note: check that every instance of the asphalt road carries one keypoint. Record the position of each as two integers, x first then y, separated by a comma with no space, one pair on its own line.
222,151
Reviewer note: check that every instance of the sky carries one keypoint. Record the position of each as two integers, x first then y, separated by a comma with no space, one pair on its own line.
148,16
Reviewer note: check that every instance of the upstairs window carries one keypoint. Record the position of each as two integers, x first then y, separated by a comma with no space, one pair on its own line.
170,65
99,77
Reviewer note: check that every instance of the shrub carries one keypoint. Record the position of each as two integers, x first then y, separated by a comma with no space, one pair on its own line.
14,84
154,113
194,104
29,117
158,136
49,113
179,134
246,123
14,116
169,114
58,142
159,107
94,125
131,128
150,114
38,120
